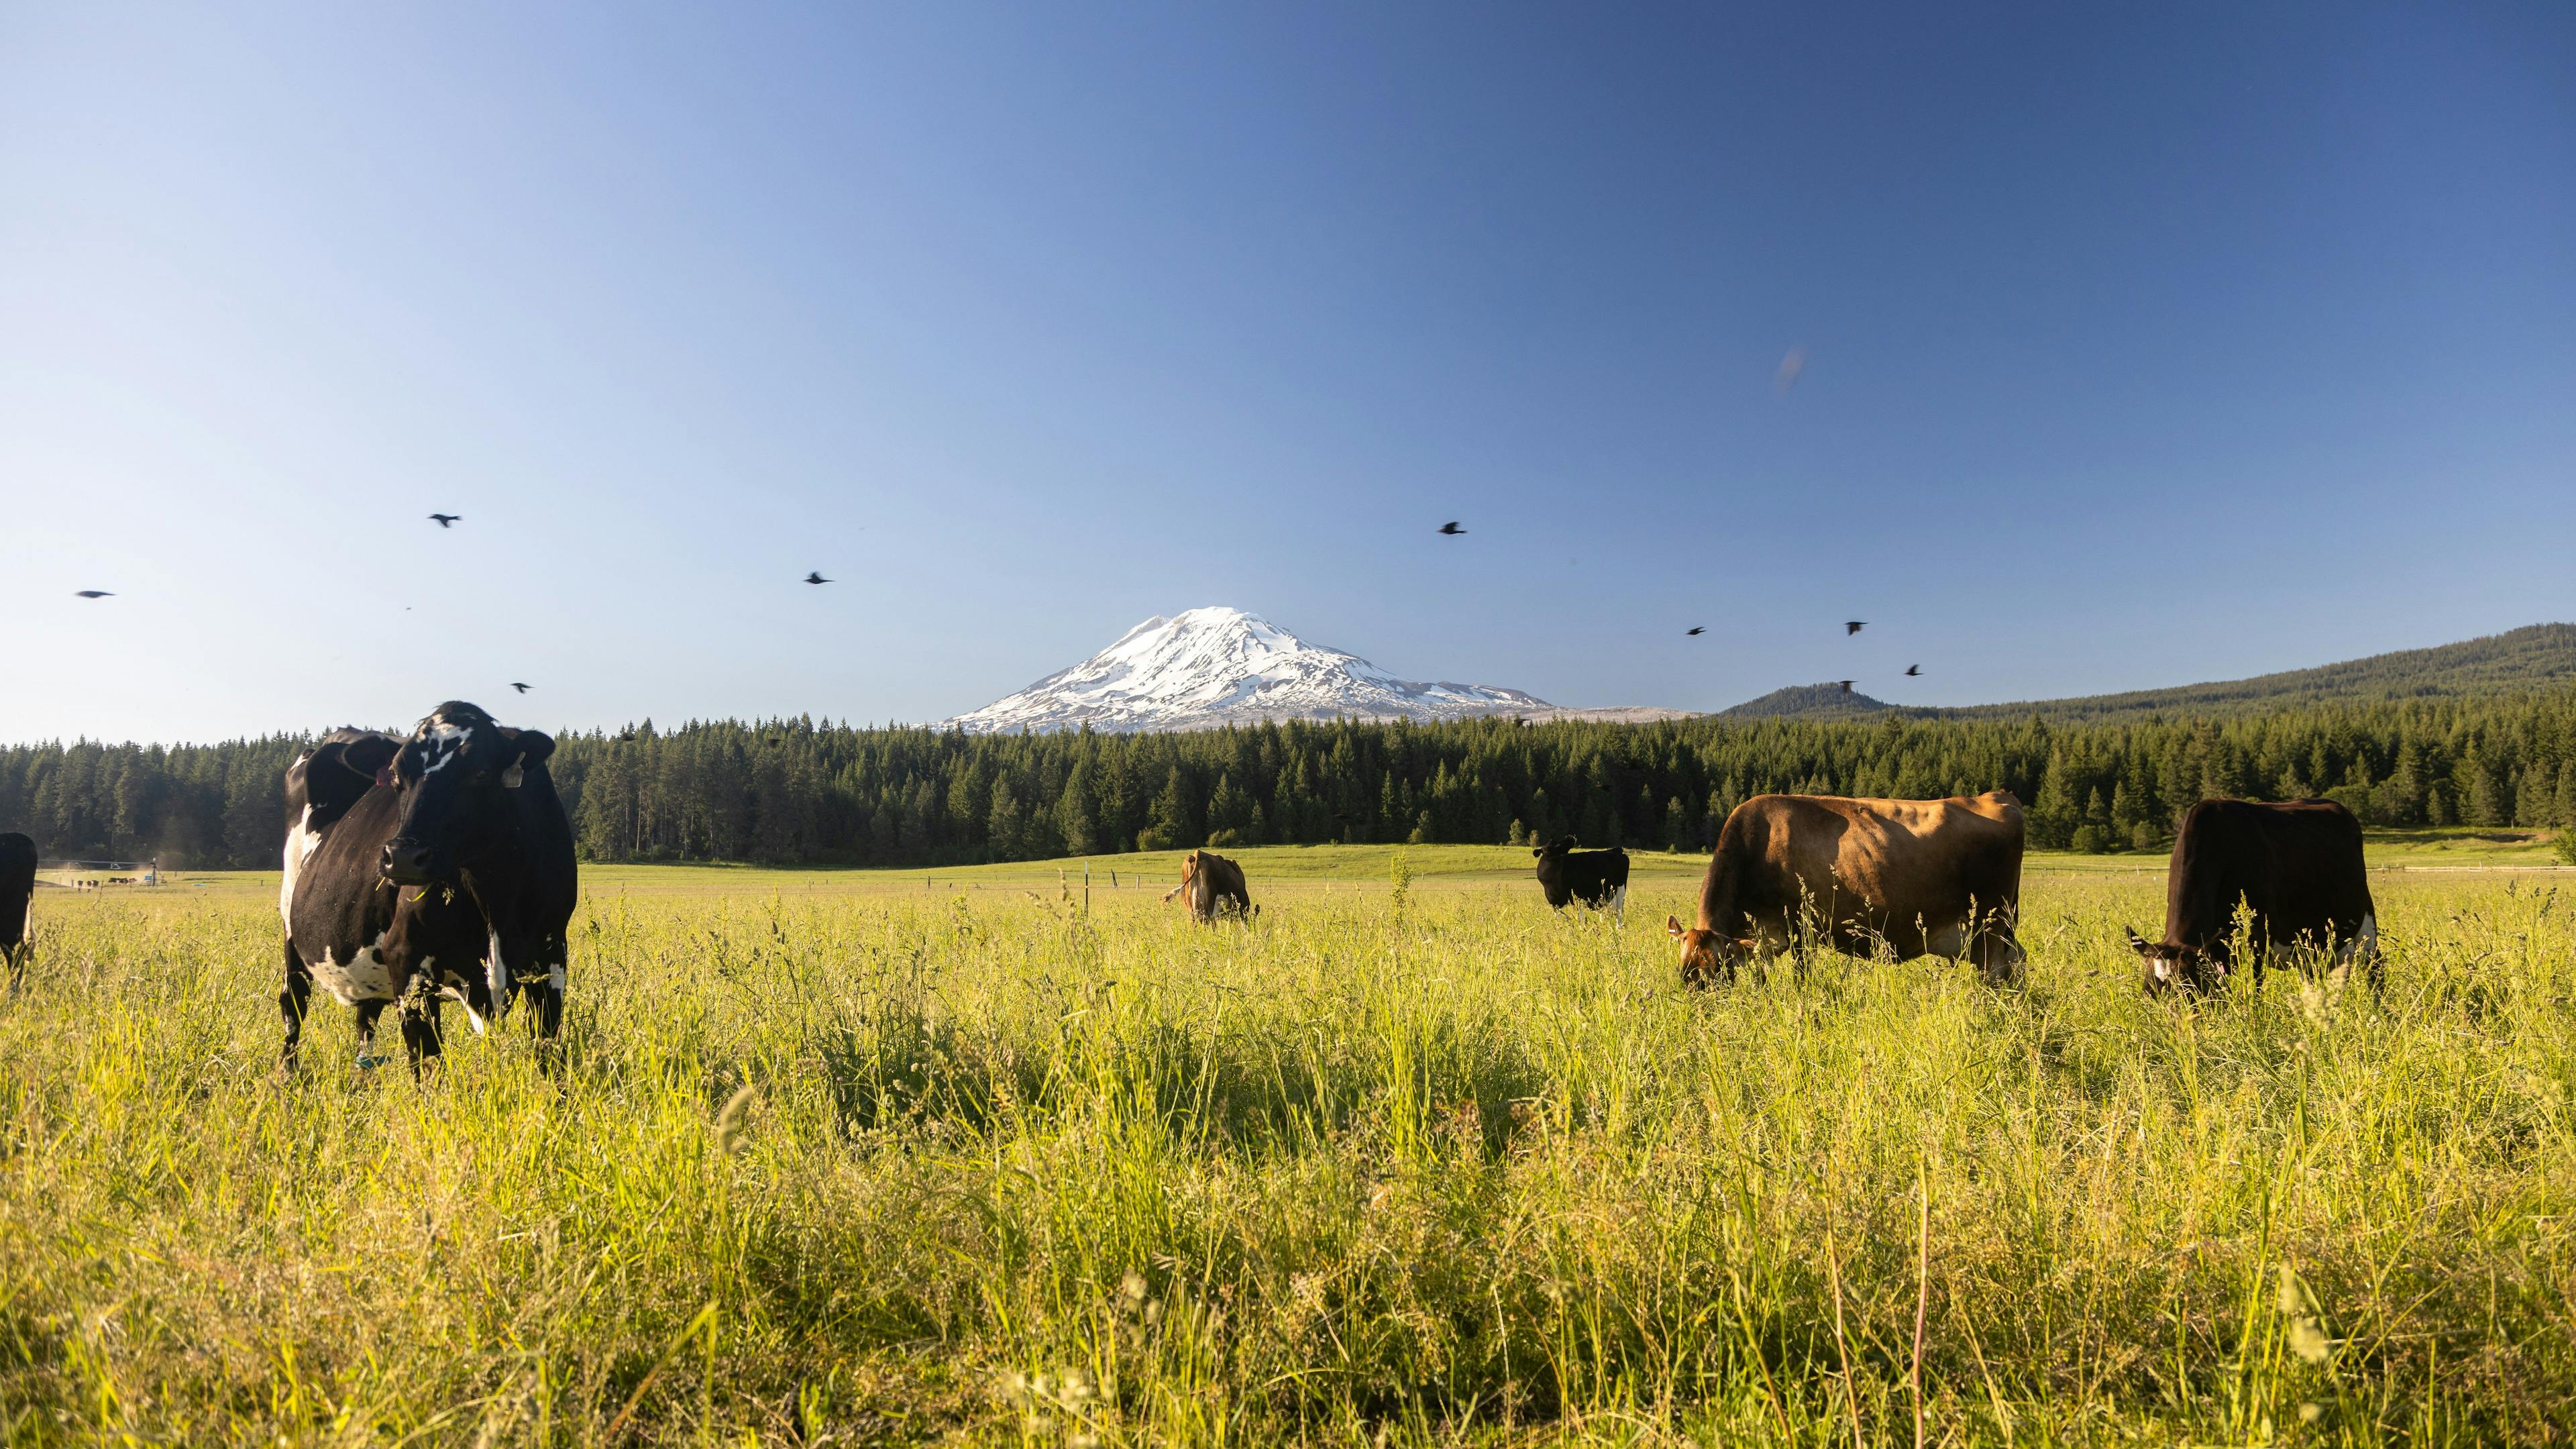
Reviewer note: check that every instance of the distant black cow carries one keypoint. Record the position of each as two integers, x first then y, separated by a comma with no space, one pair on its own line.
441,866
17,886
2297,868
1594,877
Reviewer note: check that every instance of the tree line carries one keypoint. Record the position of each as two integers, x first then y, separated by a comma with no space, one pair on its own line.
798,791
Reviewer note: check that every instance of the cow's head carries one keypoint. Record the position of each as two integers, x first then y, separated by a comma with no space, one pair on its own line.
1708,957
1556,849
1189,875
336,773
455,774
2168,967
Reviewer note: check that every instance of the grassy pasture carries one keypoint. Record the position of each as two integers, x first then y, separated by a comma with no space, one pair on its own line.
832,1157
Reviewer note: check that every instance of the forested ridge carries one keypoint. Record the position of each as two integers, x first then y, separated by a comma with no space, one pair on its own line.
2536,656
798,791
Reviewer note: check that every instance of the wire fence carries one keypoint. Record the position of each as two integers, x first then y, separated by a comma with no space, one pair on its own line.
95,874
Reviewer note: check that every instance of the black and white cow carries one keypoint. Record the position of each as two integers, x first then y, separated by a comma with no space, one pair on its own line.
17,890
438,867
2296,865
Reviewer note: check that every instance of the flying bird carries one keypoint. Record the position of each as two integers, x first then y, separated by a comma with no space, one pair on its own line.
446,520
94,594
1846,684
1696,629
1451,527
1853,626
1790,367
514,684
1913,669
816,578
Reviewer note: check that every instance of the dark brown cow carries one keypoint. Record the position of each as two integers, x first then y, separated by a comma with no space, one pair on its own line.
1213,885
17,891
2297,868
1594,877
1915,877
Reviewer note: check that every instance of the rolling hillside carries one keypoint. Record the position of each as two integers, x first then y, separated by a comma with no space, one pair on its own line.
2539,656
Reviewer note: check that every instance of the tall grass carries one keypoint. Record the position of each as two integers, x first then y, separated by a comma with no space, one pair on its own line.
924,1166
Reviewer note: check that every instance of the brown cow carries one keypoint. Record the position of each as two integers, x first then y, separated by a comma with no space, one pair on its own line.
2297,868
1214,885
1918,877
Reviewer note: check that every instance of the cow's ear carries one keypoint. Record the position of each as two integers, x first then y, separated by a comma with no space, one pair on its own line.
1673,927
1542,850
530,747
2138,943
372,756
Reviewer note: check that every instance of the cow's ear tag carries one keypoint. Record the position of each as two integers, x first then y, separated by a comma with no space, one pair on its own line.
511,777
385,775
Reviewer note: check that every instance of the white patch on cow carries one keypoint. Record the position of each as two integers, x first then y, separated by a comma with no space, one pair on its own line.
1619,905
301,841
2364,945
2163,966
555,977
496,973
442,743
364,977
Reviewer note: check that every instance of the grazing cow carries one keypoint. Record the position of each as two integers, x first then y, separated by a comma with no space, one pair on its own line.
17,888
1918,877
1214,886
2296,866
441,866
1594,877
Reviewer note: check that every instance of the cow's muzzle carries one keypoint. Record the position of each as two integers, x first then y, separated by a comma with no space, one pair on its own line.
408,862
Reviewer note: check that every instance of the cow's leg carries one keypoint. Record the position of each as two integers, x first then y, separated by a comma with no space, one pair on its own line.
537,970
368,1011
1619,904
292,997
420,1030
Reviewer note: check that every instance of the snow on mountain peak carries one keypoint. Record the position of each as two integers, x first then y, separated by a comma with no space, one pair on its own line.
1213,666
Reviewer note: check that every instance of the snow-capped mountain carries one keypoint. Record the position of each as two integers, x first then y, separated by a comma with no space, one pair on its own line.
1209,667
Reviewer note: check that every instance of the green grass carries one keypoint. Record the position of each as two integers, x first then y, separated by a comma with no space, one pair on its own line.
999,1170
1358,867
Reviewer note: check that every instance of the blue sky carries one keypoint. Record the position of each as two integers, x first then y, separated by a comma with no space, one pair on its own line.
2181,344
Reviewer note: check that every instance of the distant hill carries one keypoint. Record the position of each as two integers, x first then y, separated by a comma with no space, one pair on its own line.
2539,656
1807,701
